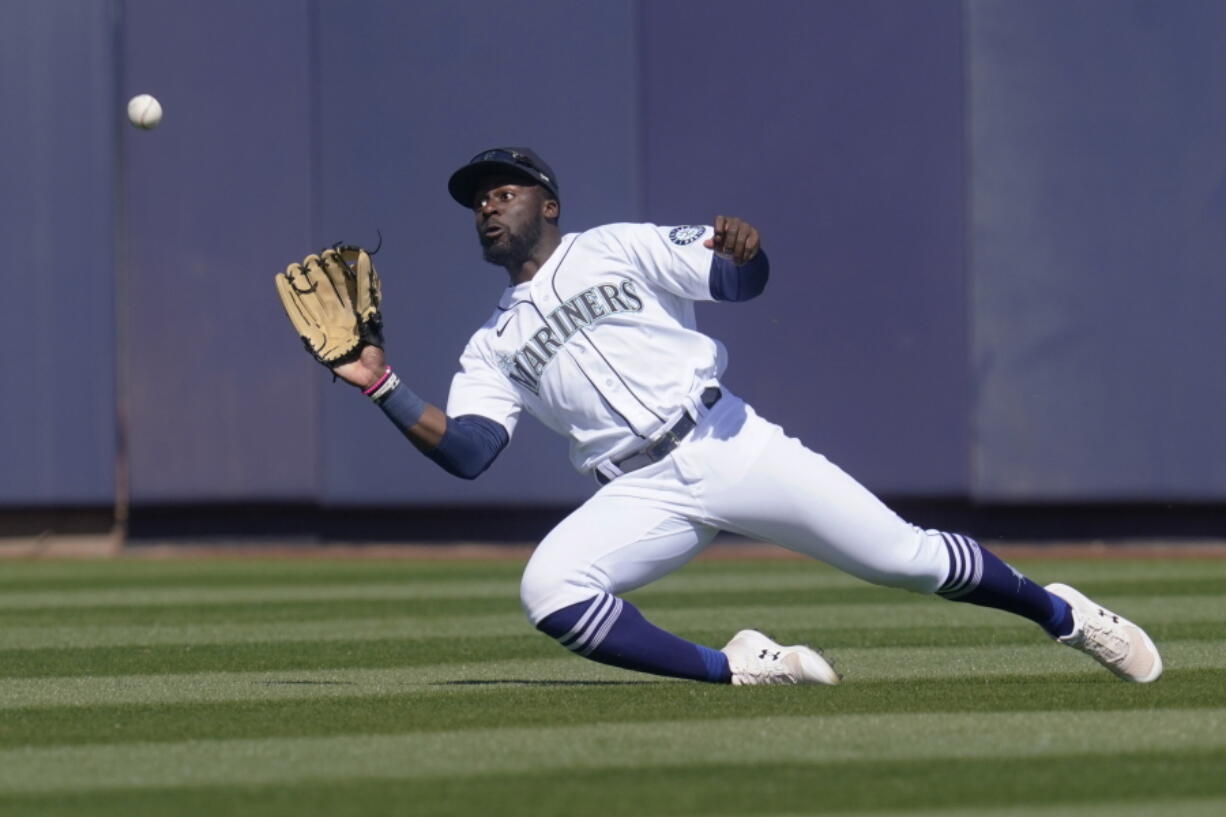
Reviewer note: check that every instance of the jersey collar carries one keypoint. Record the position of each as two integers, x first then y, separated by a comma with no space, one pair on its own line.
523,292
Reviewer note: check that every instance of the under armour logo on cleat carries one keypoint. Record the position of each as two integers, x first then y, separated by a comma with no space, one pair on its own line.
774,656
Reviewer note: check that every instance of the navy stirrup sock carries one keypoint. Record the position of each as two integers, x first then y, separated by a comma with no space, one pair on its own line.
610,630
977,576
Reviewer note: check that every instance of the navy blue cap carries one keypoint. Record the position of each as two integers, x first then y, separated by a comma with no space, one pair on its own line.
518,161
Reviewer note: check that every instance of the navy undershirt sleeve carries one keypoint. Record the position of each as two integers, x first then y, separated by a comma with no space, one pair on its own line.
732,283
470,443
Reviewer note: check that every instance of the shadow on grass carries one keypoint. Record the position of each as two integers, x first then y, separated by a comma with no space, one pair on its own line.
541,683
309,683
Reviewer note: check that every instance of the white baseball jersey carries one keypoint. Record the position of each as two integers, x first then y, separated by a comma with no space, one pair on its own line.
601,344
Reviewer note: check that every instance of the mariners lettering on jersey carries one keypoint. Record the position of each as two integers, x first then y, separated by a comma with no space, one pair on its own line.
588,308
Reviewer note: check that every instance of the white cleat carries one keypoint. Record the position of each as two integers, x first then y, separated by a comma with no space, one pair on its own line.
1110,639
755,659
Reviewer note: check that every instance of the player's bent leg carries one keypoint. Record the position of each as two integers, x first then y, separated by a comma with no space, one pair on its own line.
612,631
612,544
615,542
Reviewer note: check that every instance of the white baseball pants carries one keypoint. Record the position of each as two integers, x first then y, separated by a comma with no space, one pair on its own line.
735,472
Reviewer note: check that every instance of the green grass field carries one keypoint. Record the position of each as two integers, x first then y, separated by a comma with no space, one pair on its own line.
305,687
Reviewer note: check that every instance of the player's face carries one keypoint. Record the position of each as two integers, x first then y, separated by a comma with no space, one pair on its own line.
510,218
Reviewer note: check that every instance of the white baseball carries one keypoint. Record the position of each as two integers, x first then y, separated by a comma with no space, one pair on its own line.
144,111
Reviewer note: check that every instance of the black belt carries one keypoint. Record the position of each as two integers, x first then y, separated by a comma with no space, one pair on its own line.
665,442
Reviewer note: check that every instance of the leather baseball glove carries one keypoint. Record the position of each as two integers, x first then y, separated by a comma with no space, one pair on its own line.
332,300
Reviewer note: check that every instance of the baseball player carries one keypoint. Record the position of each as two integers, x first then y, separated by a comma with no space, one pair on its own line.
595,337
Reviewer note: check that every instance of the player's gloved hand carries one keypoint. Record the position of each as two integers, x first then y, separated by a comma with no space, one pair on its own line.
734,239
332,300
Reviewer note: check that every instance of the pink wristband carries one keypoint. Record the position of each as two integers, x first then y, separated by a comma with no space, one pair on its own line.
374,388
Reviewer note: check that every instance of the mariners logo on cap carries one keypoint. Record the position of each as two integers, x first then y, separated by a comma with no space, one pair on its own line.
686,235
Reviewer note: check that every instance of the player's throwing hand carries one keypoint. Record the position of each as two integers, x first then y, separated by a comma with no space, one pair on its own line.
735,239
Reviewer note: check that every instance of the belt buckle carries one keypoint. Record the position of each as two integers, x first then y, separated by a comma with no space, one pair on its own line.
668,441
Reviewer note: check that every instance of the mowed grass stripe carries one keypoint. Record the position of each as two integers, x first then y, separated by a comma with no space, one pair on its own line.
731,574
454,707
360,604
396,581
318,610
869,617
408,586
1165,806
378,605
270,656
165,596
239,571
266,612
654,605
1112,568
914,787
408,650
818,587
223,571
752,742
901,663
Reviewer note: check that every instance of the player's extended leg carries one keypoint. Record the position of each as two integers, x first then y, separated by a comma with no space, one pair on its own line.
631,533
978,576
797,498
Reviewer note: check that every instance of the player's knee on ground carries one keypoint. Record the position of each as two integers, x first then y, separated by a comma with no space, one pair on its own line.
546,588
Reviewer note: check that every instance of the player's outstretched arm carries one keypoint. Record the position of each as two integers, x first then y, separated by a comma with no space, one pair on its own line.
369,372
332,301
463,446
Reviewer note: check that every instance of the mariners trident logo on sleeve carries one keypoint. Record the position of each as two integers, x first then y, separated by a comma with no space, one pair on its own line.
585,310
686,235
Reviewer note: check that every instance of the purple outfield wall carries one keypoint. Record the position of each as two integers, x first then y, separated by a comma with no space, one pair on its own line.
1097,249
58,221
994,228
836,128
